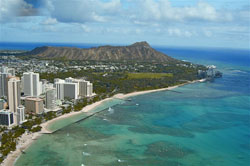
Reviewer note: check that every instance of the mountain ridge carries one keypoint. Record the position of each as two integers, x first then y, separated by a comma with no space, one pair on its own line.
139,51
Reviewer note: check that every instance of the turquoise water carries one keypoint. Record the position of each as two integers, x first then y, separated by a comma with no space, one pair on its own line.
75,118
205,124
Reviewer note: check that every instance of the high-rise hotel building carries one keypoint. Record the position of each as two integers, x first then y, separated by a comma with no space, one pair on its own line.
14,97
50,98
66,89
14,94
4,84
5,72
31,84
85,88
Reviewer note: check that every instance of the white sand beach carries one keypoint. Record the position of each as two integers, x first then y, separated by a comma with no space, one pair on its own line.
27,139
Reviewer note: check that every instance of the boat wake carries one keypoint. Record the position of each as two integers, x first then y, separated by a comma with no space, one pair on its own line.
111,110
238,71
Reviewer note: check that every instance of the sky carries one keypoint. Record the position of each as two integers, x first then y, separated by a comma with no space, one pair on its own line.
178,23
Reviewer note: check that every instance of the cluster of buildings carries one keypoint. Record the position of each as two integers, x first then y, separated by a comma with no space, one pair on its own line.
51,66
34,96
21,66
73,88
209,73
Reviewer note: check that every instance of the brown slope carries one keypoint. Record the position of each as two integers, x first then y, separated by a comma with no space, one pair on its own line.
140,51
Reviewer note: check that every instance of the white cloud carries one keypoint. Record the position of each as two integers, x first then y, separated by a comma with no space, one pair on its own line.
10,9
85,28
128,19
244,15
174,32
187,34
162,10
50,21
50,28
179,33
138,31
81,11
208,33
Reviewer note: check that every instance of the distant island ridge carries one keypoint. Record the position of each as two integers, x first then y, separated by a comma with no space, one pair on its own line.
139,51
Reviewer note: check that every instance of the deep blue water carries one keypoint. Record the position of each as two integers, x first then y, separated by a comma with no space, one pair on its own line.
225,56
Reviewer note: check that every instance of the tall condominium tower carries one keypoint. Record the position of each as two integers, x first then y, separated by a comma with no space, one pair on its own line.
4,84
85,88
5,69
50,98
14,96
31,84
66,90
59,90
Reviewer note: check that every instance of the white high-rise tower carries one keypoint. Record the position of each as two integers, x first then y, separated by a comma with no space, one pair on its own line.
31,84
50,98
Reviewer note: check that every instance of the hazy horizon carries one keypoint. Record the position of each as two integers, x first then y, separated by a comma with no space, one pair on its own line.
89,45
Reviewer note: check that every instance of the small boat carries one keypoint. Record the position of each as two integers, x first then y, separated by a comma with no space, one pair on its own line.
137,104
67,134
23,151
120,160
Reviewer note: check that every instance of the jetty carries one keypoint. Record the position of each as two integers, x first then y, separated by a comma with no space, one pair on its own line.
85,118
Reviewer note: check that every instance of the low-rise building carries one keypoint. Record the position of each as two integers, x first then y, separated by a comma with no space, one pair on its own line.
6,118
34,105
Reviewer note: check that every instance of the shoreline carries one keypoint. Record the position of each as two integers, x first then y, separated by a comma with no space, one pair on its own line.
27,139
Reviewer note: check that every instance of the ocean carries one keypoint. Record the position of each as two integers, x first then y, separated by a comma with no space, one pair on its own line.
204,124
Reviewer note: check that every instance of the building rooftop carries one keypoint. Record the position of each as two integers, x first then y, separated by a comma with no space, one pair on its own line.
5,111
20,106
33,99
